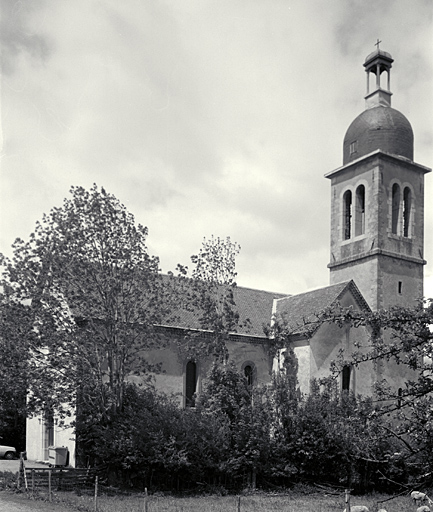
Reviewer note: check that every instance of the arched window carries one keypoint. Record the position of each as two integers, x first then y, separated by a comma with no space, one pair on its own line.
395,208
407,199
190,383
347,214
48,430
345,380
360,211
249,374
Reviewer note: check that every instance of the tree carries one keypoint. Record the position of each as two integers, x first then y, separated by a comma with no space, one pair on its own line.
244,411
95,295
16,334
403,337
209,294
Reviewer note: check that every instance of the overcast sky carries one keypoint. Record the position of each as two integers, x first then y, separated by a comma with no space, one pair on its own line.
204,118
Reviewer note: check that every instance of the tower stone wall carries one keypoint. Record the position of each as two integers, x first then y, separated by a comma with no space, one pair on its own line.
377,204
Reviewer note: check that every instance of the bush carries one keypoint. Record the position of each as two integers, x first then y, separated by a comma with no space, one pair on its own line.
238,436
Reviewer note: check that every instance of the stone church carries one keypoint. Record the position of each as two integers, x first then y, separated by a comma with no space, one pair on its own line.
376,261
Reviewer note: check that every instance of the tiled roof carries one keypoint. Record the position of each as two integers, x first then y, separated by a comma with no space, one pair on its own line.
254,308
301,311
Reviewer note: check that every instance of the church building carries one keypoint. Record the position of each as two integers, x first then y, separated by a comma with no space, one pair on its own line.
376,261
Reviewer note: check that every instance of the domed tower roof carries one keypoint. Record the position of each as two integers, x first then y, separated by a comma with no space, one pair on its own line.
379,126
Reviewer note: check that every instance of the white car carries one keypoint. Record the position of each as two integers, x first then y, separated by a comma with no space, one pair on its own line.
8,452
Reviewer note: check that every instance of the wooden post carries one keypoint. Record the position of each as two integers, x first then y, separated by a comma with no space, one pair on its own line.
25,477
145,508
239,504
96,493
347,499
20,472
60,479
33,482
49,485
253,479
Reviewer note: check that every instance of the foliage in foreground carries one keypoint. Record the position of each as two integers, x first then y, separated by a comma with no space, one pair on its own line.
400,338
238,436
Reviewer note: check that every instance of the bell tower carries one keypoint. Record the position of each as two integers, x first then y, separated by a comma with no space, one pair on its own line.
377,200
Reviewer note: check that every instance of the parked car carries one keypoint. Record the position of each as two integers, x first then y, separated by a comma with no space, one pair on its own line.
8,452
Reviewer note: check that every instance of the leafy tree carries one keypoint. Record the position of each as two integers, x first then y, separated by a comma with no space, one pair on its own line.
16,335
399,336
93,298
226,392
244,410
329,432
209,294
95,295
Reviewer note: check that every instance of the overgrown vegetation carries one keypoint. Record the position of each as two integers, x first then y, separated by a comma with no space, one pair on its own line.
238,437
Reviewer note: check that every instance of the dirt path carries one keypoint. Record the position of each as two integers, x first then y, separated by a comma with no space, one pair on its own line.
20,503
14,465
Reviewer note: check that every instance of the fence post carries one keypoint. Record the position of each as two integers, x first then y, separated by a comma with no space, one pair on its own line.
33,482
239,504
20,472
25,478
96,493
347,499
145,509
49,485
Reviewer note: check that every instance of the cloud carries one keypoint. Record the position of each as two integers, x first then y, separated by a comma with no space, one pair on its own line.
18,34
202,117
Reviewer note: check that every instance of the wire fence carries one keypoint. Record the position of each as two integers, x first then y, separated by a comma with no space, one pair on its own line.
87,490
45,481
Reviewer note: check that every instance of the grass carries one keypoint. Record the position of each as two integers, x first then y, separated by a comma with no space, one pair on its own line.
301,499
259,502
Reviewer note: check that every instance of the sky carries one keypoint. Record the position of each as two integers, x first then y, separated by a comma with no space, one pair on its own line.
204,117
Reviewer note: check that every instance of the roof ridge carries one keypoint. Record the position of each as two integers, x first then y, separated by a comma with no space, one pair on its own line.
344,283
236,285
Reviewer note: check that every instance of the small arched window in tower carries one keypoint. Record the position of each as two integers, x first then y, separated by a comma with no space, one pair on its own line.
395,208
360,211
347,215
345,378
249,374
190,383
407,199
